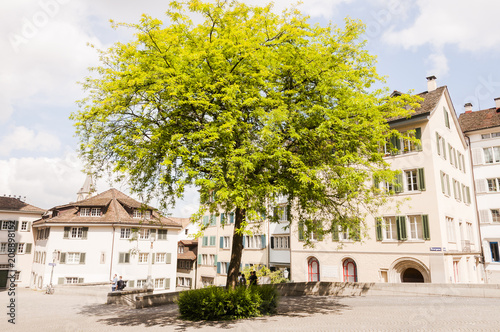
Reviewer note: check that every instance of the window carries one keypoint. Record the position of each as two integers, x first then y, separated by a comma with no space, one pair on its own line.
390,228
76,232
71,280
159,283
24,226
492,155
142,283
495,134
124,257
495,215
213,220
3,248
184,282
102,258
212,259
415,227
125,233
85,212
20,248
253,241
18,275
222,267
144,234
142,257
495,257
160,257
344,234
280,242
450,227
212,240
456,272
493,184
204,259
350,272
313,270
225,242
180,249
73,258
409,145
206,281
162,234
137,214
445,183
281,212
470,233
485,136
95,212
411,180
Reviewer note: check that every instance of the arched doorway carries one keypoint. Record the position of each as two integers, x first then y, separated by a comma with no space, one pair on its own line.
312,269
350,270
412,275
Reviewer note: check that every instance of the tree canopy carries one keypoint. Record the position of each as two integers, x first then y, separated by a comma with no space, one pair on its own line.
247,106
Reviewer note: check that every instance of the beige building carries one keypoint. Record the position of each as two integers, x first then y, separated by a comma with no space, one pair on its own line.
187,266
16,217
433,236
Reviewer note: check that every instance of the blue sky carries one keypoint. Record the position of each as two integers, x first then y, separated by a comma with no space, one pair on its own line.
45,53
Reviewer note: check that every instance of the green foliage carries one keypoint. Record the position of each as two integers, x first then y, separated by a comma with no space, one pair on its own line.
216,303
276,277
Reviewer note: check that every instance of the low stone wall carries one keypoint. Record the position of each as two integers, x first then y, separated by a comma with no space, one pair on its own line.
128,297
387,289
153,300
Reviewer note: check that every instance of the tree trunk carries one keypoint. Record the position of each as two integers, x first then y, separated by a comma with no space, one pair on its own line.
237,250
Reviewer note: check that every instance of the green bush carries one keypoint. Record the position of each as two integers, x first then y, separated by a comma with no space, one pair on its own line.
216,303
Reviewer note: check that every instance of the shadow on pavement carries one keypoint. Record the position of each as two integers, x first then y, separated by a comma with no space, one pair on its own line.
168,315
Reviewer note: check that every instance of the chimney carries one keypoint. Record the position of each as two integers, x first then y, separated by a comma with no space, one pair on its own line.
431,83
468,108
497,103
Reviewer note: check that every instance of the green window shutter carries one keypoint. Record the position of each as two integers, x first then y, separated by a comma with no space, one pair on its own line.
418,135
222,218
376,182
28,248
398,186
468,194
442,182
215,260
168,259
152,258
244,241
335,233
401,228
127,257
66,232
394,144
437,143
263,240
231,218
221,244
199,259
205,241
288,212
82,258
60,281
421,179
85,230
80,280
454,188
167,283
444,148
213,220
301,231
275,213
379,228
218,267
446,118
425,226
448,183
62,259
131,283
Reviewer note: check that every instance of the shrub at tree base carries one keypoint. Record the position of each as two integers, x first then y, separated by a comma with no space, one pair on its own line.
216,303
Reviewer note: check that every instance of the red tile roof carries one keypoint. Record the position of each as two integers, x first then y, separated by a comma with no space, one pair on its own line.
116,208
484,119
187,255
429,103
15,204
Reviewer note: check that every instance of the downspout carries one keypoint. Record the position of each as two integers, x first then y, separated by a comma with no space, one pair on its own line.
111,258
477,213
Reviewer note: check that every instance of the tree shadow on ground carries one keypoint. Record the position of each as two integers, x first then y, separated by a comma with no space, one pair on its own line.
168,315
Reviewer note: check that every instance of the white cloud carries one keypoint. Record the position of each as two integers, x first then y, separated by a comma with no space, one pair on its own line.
438,64
470,25
22,138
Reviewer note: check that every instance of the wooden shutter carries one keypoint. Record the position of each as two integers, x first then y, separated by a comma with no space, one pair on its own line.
335,233
421,179
288,212
320,234
398,186
66,232
222,218
127,257
484,216
401,228
28,248
152,258
215,259
444,148
80,280
301,231
62,259
477,156
418,135
221,242
376,182
131,283
243,241
481,186
467,189
272,242
441,175
263,241
29,226
437,143
454,188
60,281
82,258
167,283
218,267
378,222
85,230
231,218
448,184
168,258
425,226
199,259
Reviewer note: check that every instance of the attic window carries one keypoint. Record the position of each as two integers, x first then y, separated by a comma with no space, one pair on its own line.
90,212
139,214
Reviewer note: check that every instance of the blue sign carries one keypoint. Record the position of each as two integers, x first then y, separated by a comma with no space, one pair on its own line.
435,248
52,264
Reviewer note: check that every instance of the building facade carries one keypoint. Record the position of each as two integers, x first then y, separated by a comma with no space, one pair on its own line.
429,232
93,239
16,217
187,264
482,128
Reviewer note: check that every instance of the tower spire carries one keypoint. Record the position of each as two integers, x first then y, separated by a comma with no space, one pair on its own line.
87,189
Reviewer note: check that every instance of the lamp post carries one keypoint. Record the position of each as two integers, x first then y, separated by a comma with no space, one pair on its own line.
55,253
149,282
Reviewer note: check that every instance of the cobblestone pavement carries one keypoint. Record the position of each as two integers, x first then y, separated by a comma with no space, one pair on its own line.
36,311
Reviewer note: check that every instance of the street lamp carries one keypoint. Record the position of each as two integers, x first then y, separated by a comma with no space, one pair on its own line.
149,282
54,258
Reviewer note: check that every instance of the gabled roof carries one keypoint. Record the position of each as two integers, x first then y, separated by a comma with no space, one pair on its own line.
187,255
15,204
116,208
431,99
484,119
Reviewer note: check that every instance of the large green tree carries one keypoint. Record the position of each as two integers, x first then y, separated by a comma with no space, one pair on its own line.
247,106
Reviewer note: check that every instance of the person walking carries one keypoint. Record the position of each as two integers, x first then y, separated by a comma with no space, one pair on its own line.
120,285
253,278
114,283
241,279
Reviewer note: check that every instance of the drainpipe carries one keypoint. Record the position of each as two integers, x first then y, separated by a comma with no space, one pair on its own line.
477,213
111,258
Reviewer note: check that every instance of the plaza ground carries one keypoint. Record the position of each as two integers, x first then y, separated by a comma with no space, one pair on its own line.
85,311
